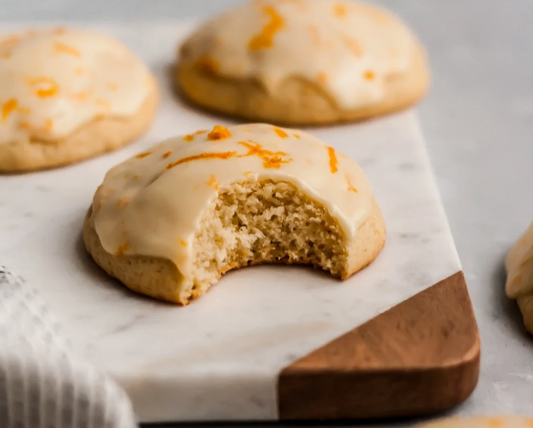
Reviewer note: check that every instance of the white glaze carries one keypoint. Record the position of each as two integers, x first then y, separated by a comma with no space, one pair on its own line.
153,203
218,358
348,48
53,81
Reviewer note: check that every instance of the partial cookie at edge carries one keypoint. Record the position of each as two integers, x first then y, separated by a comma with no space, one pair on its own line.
94,138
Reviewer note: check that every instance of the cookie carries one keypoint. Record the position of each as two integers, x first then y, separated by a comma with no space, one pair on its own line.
67,95
519,267
170,221
306,62
481,422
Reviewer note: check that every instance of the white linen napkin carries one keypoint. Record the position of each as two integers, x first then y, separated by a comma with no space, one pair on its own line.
43,384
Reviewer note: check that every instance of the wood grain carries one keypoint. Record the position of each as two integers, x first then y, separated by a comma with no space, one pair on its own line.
419,357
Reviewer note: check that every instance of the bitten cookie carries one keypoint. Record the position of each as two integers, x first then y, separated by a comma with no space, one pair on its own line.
307,62
67,95
481,422
169,222
519,266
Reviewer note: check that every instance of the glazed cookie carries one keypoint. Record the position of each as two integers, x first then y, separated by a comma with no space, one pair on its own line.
67,95
305,62
169,222
481,422
519,266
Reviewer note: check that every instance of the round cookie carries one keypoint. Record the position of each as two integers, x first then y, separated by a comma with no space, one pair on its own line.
307,62
169,222
481,422
67,95
519,267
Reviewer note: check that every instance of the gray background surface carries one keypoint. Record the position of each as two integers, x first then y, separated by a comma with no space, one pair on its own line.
478,120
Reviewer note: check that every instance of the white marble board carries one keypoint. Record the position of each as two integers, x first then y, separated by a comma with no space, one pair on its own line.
219,358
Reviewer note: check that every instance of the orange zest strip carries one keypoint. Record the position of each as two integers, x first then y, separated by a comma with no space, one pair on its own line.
333,162
281,133
219,133
350,186
167,154
143,155
269,158
47,86
8,107
190,137
122,249
213,182
122,202
265,39
221,155
66,49
354,46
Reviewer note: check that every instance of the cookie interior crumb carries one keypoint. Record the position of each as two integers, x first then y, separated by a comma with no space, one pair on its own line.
264,222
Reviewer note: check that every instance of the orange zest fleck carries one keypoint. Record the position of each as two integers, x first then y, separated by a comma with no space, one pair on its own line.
190,137
281,133
354,46
315,35
80,96
248,173
350,185
213,182
122,202
66,49
340,10
265,39
183,243
369,75
167,154
208,65
8,107
221,155
122,249
24,125
23,110
270,159
143,155
104,104
219,133
48,125
333,162
297,136
45,86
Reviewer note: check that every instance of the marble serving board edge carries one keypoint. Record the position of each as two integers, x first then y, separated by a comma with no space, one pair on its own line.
219,358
